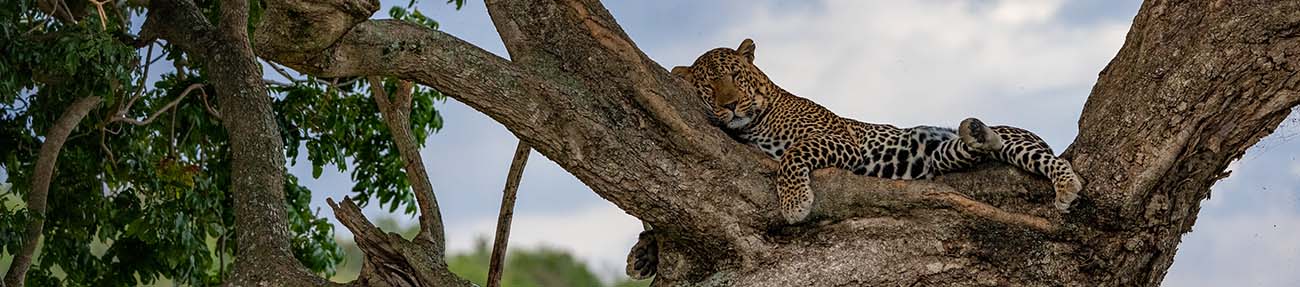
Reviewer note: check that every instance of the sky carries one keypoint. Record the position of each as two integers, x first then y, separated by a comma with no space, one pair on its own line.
1027,63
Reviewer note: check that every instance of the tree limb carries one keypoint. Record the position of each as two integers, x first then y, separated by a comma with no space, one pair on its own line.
390,259
497,261
44,174
396,112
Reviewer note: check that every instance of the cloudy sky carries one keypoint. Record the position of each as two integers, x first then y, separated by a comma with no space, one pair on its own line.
1029,63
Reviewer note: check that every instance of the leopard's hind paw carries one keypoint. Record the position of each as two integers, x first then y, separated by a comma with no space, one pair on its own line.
977,135
1067,190
643,260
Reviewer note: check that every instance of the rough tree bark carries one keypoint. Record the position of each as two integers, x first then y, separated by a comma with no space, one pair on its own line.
1196,83
263,256
390,259
45,164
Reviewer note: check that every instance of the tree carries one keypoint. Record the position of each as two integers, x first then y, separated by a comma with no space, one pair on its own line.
1196,83
139,193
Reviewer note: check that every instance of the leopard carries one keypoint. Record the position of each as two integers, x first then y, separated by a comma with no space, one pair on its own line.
804,136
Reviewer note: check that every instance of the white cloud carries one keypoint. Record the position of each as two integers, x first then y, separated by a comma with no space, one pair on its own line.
1025,11
1253,249
599,235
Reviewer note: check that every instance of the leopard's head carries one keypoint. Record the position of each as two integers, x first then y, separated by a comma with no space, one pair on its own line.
730,84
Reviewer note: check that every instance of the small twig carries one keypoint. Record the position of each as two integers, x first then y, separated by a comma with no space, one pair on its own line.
139,90
507,212
330,87
66,11
104,146
281,71
121,114
160,56
214,112
270,82
103,20
348,82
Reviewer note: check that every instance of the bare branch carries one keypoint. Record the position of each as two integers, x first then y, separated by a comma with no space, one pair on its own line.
282,72
121,114
103,19
212,111
497,261
397,119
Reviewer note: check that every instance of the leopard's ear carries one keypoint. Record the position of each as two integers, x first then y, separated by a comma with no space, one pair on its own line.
746,49
682,71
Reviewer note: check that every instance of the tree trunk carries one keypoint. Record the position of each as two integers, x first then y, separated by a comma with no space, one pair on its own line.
263,256
1195,85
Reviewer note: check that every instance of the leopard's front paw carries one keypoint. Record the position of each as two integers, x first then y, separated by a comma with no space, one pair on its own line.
796,204
795,215
977,135
643,260
1067,190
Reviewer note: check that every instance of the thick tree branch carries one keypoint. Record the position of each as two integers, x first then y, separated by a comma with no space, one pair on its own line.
1157,131
577,111
45,163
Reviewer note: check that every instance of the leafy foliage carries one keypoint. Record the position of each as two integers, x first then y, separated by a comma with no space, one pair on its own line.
341,123
133,205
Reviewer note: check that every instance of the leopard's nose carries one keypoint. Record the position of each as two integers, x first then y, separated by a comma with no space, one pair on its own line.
730,106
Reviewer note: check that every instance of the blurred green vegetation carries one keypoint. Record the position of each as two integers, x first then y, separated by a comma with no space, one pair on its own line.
525,267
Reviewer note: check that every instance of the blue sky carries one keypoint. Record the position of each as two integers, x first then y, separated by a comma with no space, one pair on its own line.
1027,63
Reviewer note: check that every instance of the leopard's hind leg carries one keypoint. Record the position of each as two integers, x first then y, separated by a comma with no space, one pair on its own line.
1027,151
969,145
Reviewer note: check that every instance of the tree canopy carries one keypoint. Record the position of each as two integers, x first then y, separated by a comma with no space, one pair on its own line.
146,174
